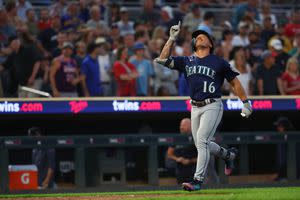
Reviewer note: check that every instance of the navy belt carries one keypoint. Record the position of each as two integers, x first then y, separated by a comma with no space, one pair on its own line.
202,103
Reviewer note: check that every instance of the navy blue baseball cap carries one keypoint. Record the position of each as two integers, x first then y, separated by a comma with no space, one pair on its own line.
138,46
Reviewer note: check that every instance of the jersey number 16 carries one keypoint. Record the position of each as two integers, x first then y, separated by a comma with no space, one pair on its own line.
210,88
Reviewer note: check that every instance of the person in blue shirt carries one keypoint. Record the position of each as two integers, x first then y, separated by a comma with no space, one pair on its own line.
205,73
145,69
90,68
248,8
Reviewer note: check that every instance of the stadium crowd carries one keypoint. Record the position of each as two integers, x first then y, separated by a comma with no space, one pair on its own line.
100,48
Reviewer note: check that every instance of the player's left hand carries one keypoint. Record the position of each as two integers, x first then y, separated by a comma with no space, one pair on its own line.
247,109
174,31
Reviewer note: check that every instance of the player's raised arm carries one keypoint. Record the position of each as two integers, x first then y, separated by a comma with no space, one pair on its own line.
163,58
240,92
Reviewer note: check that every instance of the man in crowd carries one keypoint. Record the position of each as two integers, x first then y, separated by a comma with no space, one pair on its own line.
268,76
44,159
64,74
23,70
90,68
144,69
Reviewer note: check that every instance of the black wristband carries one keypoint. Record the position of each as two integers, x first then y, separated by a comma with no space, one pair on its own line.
246,101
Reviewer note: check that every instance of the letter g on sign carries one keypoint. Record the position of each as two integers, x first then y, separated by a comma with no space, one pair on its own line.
25,178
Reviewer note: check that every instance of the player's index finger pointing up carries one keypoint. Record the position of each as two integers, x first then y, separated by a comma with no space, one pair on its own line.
179,24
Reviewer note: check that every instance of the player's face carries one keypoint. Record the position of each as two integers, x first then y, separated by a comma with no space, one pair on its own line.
202,40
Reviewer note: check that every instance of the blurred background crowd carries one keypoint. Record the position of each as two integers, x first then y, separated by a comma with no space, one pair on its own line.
106,48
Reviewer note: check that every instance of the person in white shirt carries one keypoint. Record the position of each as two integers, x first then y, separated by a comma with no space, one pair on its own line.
266,12
240,65
22,7
125,25
242,38
105,65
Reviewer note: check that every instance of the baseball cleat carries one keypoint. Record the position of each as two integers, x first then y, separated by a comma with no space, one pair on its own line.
192,186
229,164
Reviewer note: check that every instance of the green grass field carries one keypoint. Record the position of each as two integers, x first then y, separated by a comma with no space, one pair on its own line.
282,193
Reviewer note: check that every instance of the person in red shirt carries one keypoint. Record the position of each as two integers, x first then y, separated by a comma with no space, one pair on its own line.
292,28
125,74
291,77
44,22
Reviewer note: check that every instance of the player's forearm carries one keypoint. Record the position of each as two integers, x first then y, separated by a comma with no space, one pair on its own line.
166,51
238,89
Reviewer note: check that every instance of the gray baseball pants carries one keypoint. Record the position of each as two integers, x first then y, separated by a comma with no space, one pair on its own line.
205,121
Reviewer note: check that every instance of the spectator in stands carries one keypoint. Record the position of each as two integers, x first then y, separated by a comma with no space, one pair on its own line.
96,23
31,23
145,70
256,48
226,43
91,70
114,13
44,159
71,20
239,64
80,52
293,27
6,31
64,74
44,21
159,33
281,57
286,42
128,41
268,76
114,36
166,17
295,52
84,13
61,39
125,25
208,22
13,18
266,12
125,74
58,8
48,37
149,14
282,125
242,38
23,70
268,31
105,60
166,78
22,7
193,18
248,8
183,8
182,158
291,77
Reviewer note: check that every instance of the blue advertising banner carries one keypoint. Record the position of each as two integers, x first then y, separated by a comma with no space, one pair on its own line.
117,105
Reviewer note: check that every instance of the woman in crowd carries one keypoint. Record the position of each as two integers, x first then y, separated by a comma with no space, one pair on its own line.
240,64
291,77
125,74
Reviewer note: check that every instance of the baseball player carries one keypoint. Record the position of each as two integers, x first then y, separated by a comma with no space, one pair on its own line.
205,74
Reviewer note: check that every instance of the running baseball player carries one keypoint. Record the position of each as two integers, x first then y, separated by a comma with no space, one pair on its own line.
205,74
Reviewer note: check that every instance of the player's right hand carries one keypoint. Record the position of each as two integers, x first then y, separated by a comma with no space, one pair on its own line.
174,31
247,109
